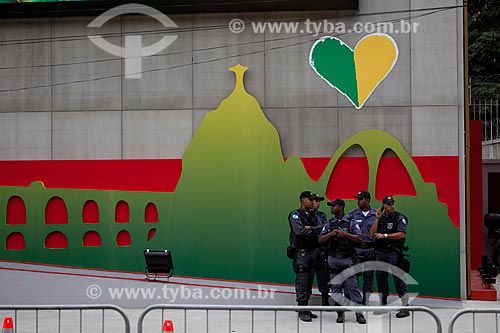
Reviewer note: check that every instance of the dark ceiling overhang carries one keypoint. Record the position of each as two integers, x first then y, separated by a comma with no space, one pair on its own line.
94,8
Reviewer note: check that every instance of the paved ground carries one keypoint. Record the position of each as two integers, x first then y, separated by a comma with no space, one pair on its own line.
38,284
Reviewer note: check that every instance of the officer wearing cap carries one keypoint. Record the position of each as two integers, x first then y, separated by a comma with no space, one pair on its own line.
322,272
304,233
364,216
389,231
340,235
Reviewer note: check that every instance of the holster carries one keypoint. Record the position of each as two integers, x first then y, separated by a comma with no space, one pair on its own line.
291,252
404,263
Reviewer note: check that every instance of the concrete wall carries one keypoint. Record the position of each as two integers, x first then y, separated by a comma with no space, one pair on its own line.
80,106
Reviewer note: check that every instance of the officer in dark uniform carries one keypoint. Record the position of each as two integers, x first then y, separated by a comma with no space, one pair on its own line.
322,271
340,235
389,231
304,233
364,216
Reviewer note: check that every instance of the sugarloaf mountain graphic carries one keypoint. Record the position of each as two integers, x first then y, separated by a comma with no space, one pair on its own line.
227,218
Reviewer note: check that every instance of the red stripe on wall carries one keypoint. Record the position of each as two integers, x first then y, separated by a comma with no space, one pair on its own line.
163,176
125,175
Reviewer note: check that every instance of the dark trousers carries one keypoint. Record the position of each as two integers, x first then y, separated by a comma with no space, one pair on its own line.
362,256
322,274
304,267
383,276
350,285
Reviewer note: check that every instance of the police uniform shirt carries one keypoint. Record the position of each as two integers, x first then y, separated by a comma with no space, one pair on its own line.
322,218
345,224
334,223
298,219
364,222
391,224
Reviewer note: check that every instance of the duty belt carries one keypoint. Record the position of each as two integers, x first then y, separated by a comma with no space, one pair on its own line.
340,255
387,250
307,249
366,245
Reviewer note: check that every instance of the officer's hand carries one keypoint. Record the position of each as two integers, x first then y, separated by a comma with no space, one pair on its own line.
378,236
307,227
378,213
341,233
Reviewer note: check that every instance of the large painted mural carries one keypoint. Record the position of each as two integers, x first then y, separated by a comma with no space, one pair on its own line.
225,216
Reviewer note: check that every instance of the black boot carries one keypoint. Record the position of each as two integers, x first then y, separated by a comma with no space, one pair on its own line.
313,315
360,318
304,315
403,313
340,317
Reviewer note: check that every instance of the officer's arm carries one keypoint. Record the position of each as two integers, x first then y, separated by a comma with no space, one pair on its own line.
355,231
298,227
317,229
325,233
401,228
327,236
402,223
397,235
374,227
354,238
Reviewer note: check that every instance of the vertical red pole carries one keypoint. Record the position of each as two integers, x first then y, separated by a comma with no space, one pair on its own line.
476,194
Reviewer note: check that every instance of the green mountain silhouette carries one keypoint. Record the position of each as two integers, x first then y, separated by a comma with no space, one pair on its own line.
231,194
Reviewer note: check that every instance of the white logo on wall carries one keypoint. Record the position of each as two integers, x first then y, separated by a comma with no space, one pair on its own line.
133,52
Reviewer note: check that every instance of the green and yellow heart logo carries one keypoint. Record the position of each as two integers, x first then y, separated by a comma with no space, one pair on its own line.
355,73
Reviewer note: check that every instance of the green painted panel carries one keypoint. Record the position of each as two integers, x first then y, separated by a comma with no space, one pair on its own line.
227,218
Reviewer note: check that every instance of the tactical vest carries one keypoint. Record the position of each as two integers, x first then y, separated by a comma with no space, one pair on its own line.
303,241
321,217
389,225
340,245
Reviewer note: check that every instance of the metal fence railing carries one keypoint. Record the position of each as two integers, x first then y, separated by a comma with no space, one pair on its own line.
488,112
474,312
247,318
66,318
240,318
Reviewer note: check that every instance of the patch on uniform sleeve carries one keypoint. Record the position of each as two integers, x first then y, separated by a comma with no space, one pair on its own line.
403,220
295,216
357,226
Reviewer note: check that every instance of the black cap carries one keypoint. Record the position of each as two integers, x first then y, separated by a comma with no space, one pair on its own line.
337,201
317,197
307,194
363,194
387,199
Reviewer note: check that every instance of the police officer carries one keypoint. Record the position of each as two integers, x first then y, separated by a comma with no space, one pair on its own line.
389,231
340,234
364,216
304,232
322,272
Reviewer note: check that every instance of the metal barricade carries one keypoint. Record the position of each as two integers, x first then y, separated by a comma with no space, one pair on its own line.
48,318
248,318
496,311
